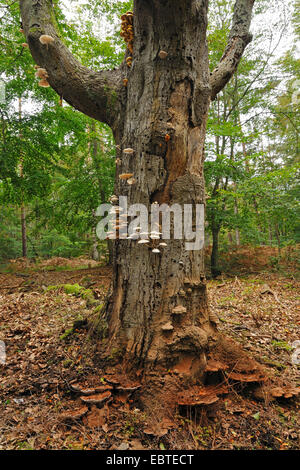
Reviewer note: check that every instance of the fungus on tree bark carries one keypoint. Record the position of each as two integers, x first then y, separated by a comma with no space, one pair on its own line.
162,113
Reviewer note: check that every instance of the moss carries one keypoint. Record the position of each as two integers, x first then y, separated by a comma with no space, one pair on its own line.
73,289
34,30
66,334
50,288
99,308
68,363
281,345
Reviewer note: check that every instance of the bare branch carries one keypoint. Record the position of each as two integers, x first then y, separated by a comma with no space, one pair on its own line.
93,93
238,40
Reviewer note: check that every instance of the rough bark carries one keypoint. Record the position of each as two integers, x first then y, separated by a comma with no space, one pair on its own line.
23,228
167,97
214,259
238,40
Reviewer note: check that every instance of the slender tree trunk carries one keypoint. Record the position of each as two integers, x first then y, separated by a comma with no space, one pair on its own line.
23,210
237,232
270,234
214,260
23,226
277,234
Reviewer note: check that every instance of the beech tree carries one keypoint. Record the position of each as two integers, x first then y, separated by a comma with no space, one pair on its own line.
156,103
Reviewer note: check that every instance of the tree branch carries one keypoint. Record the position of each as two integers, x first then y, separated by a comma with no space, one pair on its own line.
238,40
93,93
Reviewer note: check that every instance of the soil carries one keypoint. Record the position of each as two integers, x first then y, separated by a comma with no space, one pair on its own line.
56,393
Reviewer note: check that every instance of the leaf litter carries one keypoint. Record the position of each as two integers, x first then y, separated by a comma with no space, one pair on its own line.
54,394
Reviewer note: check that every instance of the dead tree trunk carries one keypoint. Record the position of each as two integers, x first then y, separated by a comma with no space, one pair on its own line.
157,104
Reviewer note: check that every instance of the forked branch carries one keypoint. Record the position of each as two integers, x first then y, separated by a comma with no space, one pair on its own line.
238,40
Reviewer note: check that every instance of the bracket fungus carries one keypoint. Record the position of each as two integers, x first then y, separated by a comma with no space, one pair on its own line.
179,310
114,199
127,32
125,176
167,327
129,61
45,39
128,151
41,73
76,414
97,399
131,181
163,54
44,83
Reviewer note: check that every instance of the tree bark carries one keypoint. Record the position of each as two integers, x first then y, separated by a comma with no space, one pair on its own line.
23,210
161,114
23,227
165,97
214,259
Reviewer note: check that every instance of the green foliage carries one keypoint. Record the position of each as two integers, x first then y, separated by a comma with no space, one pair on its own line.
252,163
61,164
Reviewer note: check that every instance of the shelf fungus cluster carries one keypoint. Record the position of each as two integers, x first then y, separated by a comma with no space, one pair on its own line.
119,223
42,74
129,61
113,199
127,30
151,240
175,314
113,391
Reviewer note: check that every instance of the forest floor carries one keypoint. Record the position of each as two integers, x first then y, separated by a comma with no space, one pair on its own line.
46,355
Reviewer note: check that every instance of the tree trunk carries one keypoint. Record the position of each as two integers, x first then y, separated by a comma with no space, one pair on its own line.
214,259
237,232
23,210
161,114
23,227
165,97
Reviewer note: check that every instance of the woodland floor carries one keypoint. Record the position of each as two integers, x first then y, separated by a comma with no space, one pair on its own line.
258,308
